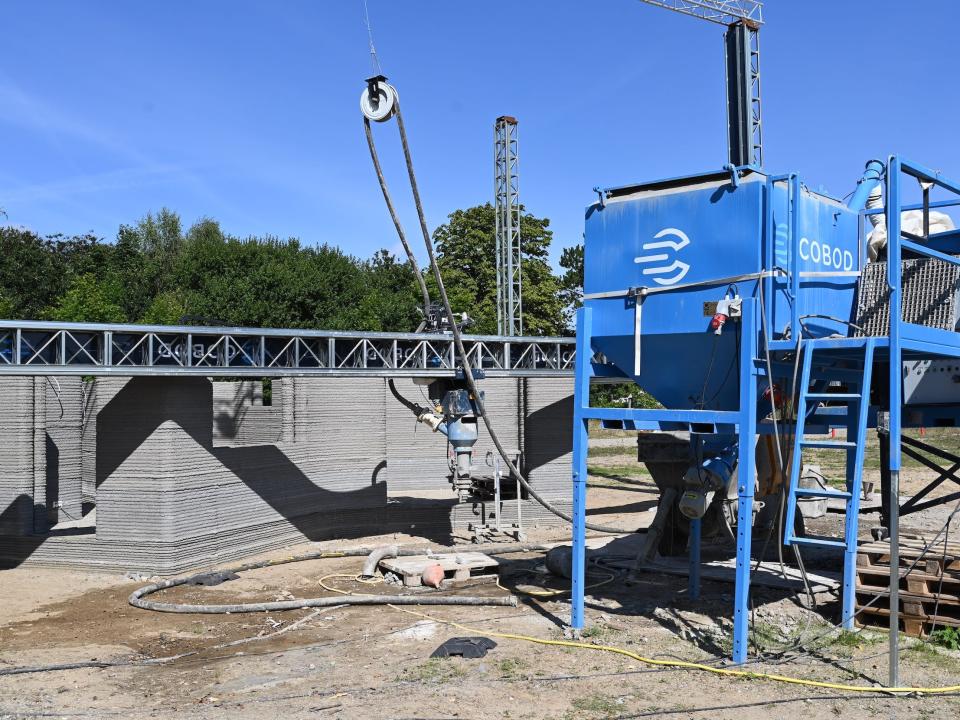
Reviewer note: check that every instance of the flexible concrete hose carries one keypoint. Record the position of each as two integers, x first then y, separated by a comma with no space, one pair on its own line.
137,597
396,221
457,338
374,558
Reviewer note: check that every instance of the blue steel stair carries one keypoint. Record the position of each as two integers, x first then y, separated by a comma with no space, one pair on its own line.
857,402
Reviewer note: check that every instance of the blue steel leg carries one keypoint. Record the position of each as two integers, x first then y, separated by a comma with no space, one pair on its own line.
745,479
856,430
850,553
581,401
694,560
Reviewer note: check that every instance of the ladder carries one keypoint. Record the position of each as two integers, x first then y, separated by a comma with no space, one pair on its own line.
857,402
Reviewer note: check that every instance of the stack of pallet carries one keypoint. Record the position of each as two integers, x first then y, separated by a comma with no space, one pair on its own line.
929,593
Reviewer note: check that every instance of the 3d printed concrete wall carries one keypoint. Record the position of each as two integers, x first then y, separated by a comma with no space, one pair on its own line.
185,472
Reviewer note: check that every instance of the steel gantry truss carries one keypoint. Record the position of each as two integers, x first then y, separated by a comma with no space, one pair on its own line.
743,19
507,194
722,12
49,348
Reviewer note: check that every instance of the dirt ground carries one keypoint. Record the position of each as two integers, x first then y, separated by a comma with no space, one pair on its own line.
373,662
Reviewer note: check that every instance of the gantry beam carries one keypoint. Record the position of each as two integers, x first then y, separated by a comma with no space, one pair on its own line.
51,348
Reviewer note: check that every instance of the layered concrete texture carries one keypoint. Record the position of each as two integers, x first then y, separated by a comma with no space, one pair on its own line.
240,415
185,472
40,433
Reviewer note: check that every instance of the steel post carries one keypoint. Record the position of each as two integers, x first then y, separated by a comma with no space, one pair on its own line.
581,403
896,383
747,432
694,587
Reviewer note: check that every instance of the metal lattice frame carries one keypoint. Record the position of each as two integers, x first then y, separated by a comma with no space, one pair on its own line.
743,19
508,249
744,127
930,293
722,12
49,348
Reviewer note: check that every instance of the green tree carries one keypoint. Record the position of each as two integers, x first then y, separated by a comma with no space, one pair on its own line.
36,270
466,254
268,282
88,300
167,308
7,311
392,299
146,259
571,283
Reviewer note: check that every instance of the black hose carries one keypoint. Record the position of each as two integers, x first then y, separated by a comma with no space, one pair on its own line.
413,407
455,330
396,221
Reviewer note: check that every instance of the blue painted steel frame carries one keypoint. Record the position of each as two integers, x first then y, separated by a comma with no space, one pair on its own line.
744,420
915,339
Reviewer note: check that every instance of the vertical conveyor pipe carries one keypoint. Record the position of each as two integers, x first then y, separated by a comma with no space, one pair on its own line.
793,205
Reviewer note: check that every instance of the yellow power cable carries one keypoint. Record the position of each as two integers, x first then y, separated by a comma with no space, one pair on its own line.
355,578
545,593
690,665
651,661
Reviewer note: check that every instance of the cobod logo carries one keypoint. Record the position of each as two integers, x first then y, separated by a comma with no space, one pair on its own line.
823,254
662,272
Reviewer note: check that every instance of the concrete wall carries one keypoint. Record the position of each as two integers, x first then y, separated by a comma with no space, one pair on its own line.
22,445
240,416
64,398
184,475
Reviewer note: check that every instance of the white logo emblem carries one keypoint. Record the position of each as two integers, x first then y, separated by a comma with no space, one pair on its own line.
677,267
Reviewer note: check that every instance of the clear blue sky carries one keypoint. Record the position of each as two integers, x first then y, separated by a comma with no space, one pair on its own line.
247,112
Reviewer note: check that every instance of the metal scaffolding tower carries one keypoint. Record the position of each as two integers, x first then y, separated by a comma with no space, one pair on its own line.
743,19
507,193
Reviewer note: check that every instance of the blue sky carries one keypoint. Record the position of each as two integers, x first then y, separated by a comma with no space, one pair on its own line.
247,112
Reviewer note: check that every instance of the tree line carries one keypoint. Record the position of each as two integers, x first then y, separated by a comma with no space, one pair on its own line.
157,272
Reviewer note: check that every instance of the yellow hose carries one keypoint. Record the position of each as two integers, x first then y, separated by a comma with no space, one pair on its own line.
651,661
690,665
544,593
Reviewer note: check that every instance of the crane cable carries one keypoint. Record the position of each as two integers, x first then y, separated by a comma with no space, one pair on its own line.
455,330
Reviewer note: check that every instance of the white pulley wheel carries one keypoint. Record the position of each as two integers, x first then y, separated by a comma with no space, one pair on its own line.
382,106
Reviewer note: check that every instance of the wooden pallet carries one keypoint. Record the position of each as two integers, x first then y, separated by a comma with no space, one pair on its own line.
879,618
929,594
457,567
877,555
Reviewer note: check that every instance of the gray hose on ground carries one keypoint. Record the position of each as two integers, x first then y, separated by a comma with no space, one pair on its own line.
136,599
396,221
457,338
374,558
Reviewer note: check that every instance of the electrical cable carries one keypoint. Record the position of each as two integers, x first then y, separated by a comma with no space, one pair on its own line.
780,462
729,672
805,649
455,330
943,572
549,592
